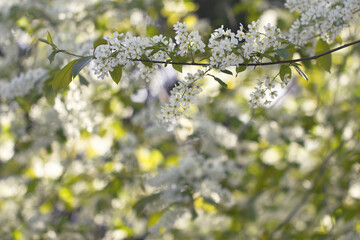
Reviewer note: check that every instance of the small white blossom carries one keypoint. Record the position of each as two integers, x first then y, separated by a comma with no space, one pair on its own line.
273,94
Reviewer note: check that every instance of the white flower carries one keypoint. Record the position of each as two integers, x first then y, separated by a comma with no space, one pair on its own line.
269,84
253,26
180,27
273,94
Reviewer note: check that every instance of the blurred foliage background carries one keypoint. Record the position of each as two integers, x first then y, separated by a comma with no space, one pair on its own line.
77,165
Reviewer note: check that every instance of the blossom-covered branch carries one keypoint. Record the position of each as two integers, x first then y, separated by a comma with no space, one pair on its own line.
256,63
249,47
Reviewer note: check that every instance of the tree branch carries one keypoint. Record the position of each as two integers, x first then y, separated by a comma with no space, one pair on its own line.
259,63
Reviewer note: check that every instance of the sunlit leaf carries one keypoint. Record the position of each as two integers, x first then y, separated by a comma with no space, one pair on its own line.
338,39
52,56
240,68
99,42
177,67
49,38
116,74
64,77
284,53
226,72
325,61
301,72
223,84
284,70
44,41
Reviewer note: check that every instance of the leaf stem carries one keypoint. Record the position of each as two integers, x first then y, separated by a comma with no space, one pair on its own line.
72,54
69,53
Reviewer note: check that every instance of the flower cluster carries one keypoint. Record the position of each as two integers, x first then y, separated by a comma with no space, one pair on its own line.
23,84
265,90
188,42
324,18
182,95
123,49
225,48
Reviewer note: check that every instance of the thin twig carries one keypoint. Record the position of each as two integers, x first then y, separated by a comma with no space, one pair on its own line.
257,63
72,54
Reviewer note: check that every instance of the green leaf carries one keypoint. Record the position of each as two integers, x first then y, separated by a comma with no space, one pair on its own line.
83,80
291,48
99,42
172,56
49,38
284,53
219,81
64,77
325,61
179,59
226,72
151,48
50,97
205,58
240,68
47,89
161,44
148,62
52,56
301,72
116,74
44,41
80,64
338,39
177,67
156,49
284,69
